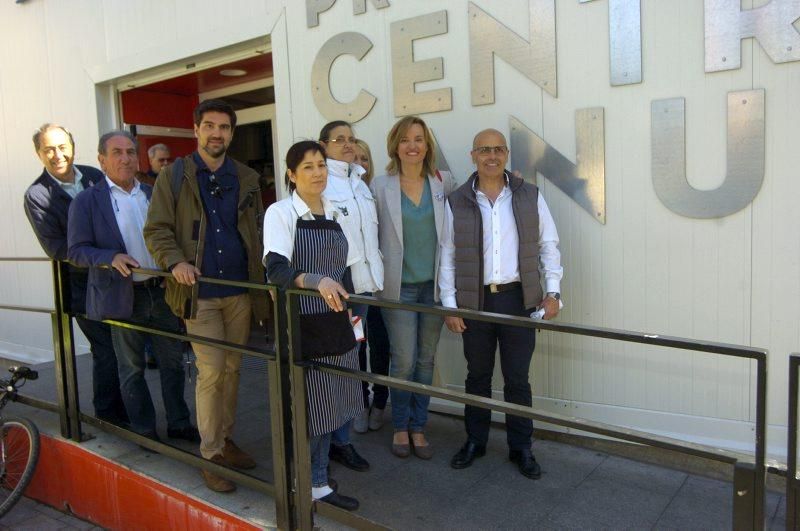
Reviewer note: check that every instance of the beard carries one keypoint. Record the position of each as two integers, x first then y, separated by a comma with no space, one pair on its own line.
215,151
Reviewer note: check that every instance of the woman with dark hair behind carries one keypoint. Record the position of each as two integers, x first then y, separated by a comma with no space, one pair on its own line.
377,337
363,157
305,247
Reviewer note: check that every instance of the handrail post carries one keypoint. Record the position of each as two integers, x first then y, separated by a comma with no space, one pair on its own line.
792,492
69,371
745,497
302,452
761,441
59,353
281,416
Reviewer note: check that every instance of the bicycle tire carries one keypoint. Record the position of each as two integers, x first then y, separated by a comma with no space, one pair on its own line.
19,453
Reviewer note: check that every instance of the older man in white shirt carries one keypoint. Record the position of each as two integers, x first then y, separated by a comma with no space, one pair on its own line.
105,229
499,239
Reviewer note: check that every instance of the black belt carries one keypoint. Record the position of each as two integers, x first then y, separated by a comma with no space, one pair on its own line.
499,288
152,282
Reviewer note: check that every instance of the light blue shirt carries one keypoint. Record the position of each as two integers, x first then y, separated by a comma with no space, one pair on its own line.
73,188
130,210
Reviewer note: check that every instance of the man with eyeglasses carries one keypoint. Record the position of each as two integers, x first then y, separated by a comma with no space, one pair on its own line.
105,234
205,221
499,240
159,156
47,203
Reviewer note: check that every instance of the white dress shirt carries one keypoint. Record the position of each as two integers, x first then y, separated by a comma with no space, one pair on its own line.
501,246
130,210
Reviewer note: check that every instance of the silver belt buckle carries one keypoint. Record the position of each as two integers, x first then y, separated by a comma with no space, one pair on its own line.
493,288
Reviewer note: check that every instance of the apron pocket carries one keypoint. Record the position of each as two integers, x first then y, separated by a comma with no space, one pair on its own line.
326,334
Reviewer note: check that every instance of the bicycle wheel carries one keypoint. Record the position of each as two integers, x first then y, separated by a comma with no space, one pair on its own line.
19,452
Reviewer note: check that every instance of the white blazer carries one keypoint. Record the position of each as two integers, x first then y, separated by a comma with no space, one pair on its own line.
386,190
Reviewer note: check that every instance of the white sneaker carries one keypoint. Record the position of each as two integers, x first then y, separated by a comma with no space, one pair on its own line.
361,422
375,419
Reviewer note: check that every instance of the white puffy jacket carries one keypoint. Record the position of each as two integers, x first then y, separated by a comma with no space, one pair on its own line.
359,220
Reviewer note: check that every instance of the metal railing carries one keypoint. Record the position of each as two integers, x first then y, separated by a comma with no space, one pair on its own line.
749,471
71,416
286,370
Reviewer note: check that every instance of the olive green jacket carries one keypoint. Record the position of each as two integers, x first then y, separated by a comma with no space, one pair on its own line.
175,232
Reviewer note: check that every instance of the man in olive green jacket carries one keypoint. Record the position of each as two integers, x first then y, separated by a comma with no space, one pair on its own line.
207,223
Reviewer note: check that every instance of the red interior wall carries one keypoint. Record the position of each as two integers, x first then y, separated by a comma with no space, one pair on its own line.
145,107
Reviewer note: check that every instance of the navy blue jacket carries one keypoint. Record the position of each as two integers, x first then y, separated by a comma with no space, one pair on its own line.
47,206
94,238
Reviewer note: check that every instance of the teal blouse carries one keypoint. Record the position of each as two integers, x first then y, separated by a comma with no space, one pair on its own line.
419,238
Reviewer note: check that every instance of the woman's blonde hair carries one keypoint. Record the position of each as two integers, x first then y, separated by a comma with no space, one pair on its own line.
393,142
367,177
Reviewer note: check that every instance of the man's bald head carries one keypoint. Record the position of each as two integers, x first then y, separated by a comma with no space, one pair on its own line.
481,137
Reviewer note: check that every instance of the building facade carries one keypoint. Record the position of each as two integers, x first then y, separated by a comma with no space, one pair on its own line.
662,135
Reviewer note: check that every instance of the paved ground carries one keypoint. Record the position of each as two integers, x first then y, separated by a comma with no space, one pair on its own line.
28,514
580,488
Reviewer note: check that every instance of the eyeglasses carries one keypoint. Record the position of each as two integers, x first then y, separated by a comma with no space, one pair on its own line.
486,150
343,140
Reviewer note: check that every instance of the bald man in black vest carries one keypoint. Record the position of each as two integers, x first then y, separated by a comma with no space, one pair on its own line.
498,237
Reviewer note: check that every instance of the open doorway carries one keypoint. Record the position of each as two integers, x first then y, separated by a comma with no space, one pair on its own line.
161,113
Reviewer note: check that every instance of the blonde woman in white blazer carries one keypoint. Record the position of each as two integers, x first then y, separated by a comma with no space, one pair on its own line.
410,202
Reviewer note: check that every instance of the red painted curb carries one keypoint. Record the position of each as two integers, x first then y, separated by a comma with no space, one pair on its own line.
101,491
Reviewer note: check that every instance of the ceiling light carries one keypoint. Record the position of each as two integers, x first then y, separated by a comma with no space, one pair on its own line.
233,72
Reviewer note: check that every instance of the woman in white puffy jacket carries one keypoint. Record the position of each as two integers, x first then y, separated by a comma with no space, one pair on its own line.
359,221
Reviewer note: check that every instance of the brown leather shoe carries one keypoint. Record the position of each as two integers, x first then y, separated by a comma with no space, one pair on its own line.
215,482
236,457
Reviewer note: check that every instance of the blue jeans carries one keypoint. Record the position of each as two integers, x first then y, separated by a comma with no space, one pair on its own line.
413,338
341,437
150,309
319,458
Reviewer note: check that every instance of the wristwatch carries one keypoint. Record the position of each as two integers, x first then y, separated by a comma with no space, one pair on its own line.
554,295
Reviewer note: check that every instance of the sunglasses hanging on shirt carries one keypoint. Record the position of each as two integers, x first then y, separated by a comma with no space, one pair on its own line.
214,188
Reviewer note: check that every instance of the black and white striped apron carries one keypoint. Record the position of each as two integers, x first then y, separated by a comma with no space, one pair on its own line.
320,247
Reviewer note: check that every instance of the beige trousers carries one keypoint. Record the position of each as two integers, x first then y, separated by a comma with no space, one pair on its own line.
216,392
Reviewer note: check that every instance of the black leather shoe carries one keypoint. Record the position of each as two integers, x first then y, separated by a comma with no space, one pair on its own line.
343,502
188,433
332,484
468,453
527,464
348,456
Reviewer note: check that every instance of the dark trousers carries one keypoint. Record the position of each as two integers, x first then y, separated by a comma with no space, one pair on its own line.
516,349
379,355
106,395
150,309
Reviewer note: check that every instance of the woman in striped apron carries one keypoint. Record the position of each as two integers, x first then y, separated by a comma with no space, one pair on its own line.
305,247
